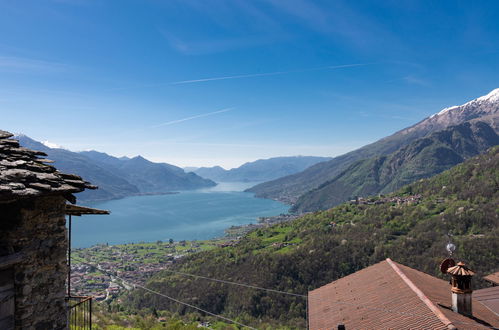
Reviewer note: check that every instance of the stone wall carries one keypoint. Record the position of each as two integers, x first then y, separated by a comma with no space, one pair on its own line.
36,228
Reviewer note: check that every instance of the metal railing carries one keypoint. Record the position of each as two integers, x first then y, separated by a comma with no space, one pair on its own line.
79,312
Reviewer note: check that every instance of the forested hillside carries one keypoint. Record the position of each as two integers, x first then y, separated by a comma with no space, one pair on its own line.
409,226
422,158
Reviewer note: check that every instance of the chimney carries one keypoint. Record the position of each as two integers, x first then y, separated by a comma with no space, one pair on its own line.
461,288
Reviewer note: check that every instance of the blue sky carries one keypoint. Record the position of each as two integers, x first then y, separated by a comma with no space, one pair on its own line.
207,82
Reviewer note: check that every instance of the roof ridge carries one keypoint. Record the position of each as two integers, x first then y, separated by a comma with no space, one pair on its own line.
421,296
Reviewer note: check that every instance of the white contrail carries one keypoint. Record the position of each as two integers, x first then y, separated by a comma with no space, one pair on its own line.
240,76
192,117
268,73
231,77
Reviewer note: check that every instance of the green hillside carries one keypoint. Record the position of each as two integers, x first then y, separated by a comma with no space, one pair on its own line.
422,158
409,226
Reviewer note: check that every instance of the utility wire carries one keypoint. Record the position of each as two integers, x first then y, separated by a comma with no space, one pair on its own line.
187,304
271,290
305,296
235,283
171,298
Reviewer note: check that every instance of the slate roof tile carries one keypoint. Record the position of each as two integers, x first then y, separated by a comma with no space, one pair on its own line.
23,174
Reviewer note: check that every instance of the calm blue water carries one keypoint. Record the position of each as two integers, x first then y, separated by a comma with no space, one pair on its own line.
200,214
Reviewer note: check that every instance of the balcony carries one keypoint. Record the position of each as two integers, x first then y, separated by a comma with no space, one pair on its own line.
79,312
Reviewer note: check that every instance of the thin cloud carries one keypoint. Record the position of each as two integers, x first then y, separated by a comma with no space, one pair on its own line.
413,80
268,73
25,64
168,123
339,19
210,46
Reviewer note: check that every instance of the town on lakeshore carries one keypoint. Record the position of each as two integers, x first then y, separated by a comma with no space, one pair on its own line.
105,271
94,270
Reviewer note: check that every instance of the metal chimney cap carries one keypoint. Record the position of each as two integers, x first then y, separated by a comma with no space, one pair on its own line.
460,270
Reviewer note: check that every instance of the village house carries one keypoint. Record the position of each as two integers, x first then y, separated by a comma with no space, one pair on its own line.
493,278
389,295
33,238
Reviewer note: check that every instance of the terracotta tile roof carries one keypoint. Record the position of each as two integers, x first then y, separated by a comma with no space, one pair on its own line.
24,174
488,297
493,278
388,295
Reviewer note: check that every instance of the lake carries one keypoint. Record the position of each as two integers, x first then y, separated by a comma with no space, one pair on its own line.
188,215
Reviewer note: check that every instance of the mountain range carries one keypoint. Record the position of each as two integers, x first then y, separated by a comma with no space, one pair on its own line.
260,170
422,158
119,177
313,180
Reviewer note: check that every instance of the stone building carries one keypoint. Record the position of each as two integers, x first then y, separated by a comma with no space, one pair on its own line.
33,238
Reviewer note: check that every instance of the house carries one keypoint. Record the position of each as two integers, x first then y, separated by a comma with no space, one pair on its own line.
493,278
33,238
389,295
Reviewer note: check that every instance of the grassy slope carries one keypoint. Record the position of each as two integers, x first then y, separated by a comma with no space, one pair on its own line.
318,252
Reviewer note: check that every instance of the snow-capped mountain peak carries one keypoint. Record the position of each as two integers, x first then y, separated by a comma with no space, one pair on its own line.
444,110
493,96
484,108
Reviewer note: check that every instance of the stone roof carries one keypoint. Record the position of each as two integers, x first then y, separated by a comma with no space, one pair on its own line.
389,295
23,174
